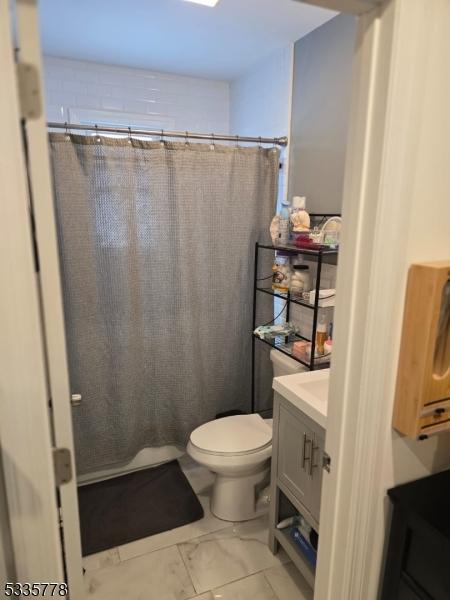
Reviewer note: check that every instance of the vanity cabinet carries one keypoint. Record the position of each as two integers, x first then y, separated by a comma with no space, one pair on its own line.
300,455
296,477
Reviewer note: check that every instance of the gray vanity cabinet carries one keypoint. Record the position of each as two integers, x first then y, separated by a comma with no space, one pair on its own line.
294,453
299,456
297,459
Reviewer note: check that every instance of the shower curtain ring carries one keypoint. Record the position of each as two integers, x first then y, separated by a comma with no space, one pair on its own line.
67,131
237,142
161,139
213,143
186,138
97,137
260,142
130,141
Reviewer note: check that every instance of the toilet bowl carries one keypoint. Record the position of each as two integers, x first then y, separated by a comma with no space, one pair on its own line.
237,449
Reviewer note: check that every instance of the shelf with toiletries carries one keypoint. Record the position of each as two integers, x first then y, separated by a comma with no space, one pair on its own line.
324,251
297,279
288,348
307,301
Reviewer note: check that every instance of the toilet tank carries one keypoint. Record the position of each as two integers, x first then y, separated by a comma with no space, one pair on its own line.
283,365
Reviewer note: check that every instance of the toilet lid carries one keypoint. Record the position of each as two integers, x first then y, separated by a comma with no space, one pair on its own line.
237,434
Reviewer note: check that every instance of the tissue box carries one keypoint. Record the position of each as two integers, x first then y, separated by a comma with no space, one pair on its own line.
326,297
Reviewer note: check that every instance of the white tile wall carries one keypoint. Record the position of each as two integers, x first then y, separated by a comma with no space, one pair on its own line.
182,103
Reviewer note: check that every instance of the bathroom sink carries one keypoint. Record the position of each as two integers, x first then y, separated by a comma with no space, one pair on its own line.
319,388
308,392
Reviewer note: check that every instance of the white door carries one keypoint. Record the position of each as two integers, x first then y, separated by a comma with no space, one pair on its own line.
36,425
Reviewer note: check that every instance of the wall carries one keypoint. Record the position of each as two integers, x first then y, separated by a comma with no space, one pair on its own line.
320,113
87,90
429,178
397,178
415,187
260,99
260,102
260,105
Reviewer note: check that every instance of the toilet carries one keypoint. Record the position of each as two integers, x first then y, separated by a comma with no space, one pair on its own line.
238,450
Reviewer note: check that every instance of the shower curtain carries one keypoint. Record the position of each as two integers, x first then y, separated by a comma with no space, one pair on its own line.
156,247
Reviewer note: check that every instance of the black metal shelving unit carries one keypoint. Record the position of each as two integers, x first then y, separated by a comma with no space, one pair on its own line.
285,345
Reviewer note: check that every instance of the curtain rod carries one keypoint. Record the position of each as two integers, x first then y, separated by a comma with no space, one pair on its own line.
162,133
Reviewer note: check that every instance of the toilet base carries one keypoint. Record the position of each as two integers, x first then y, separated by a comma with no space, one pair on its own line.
235,498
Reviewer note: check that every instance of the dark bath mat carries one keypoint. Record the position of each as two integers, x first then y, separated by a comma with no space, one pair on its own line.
134,506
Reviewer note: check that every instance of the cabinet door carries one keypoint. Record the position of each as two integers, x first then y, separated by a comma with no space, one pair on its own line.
294,454
405,592
316,471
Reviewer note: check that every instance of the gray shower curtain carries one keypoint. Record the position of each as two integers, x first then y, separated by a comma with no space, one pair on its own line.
156,245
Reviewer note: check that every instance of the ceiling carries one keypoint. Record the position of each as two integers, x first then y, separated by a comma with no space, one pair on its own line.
173,35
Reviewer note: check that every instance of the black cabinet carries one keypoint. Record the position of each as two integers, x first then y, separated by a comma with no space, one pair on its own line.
418,557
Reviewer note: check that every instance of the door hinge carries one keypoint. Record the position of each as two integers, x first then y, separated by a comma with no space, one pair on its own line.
326,462
29,91
62,465
75,399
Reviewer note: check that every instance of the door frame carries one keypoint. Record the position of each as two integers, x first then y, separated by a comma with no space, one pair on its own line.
58,556
25,431
381,150
40,181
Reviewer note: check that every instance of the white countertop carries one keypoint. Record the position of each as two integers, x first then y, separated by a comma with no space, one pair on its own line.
308,392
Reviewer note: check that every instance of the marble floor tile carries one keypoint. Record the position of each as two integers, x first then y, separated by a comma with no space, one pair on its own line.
160,575
216,559
254,587
200,478
101,559
288,583
208,524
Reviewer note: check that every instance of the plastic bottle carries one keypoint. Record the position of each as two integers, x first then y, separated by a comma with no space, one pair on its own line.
321,335
284,223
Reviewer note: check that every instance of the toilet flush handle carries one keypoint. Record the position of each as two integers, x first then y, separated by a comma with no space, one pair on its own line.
75,399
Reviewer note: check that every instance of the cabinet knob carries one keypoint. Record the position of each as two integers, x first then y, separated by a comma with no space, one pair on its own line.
305,458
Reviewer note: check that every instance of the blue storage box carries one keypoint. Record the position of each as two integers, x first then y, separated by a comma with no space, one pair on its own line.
304,546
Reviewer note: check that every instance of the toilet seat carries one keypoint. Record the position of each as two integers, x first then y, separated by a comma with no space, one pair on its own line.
215,453
238,435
